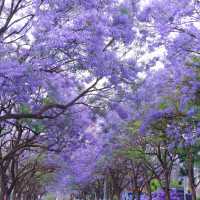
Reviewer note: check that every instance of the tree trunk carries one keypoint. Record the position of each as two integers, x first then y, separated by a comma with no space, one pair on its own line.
105,189
167,185
138,195
148,186
191,175
167,194
4,194
117,195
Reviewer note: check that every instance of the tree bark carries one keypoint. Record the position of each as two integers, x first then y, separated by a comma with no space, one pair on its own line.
167,194
4,191
167,184
138,195
117,195
148,186
190,167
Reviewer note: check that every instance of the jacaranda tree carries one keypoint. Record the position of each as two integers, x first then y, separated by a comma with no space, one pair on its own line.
73,80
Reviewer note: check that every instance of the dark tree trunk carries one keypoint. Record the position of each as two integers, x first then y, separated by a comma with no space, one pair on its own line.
167,194
190,167
4,192
117,195
167,184
138,195
148,186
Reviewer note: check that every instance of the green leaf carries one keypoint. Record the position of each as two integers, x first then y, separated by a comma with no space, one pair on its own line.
38,127
24,109
137,124
47,100
124,11
163,105
50,197
154,185
134,126
175,184
196,59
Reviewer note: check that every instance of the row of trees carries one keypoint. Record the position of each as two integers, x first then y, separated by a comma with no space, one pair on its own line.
142,165
54,55
78,102
145,149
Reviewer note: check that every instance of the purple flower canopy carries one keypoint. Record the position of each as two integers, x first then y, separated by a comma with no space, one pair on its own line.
74,87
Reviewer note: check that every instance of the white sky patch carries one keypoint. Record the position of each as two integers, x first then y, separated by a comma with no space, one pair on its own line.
145,2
